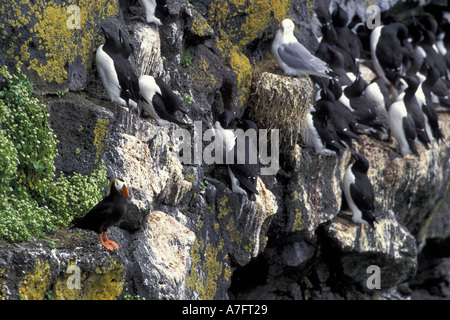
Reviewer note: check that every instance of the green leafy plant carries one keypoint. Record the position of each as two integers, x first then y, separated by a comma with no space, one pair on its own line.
32,202
187,100
204,185
186,60
129,296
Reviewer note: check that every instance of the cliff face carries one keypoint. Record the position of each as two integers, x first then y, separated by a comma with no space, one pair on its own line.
186,235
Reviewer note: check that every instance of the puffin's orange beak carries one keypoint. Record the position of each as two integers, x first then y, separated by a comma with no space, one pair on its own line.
124,191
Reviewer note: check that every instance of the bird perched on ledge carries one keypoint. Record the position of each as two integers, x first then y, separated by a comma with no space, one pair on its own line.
106,213
358,191
293,57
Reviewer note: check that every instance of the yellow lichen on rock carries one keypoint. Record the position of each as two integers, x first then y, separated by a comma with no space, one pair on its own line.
233,38
60,33
36,282
205,258
101,134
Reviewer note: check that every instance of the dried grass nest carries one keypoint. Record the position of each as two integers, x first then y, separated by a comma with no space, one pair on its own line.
280,102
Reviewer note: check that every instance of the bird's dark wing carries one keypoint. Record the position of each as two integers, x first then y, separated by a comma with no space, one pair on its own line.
247,174
362,193
173,102
96,217
128,79
410,133
160,109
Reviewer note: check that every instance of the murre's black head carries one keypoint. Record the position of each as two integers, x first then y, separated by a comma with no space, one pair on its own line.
432,73
361,163
126,48
246,124
227,119
412,81
357,87
112,44
335,88
339,17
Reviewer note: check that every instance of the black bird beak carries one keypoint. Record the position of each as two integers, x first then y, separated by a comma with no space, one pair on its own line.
355,155
105,33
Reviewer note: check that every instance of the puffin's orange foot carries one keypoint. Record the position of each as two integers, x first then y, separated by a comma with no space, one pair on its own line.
111,243
115,245
106,244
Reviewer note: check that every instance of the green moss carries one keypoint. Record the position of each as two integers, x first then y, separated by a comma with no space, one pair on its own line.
31,200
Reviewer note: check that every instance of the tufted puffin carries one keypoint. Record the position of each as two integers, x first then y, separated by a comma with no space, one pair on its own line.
106,213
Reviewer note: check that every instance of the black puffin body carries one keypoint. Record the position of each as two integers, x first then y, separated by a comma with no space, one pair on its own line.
106,213
359,192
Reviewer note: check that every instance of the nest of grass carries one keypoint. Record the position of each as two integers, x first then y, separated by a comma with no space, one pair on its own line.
280,102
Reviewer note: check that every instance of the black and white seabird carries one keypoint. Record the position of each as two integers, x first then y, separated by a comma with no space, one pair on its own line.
239,152
359,192
150,10
159,101
109,76
245,169
361,107
378,95
128,79
116,72
423,96
329,43
293,58
402,128
321,16
413,108
224,129
386,50
339,121
106,213
345,111
321,134
347,40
